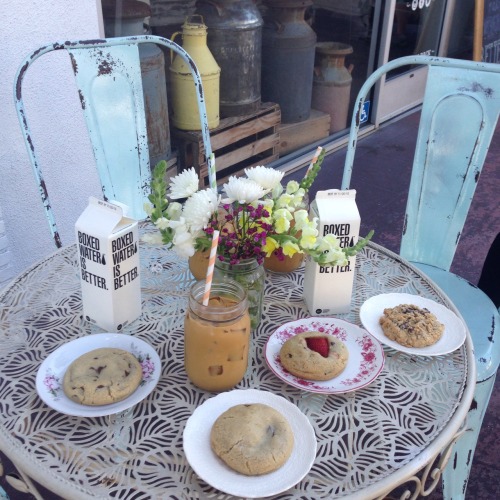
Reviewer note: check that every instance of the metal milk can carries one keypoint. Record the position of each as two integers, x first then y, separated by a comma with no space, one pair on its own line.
130,22
332,83
235,40
288,46
185,114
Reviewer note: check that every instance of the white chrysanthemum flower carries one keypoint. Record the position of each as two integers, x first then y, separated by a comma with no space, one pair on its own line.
266,177
184,184
199,208
243,190
153,238
174,210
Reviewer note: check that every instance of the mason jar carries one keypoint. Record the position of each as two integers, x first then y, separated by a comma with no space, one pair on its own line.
217,336
252,276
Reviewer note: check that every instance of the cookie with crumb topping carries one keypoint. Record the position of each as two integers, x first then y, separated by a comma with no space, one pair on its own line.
411,326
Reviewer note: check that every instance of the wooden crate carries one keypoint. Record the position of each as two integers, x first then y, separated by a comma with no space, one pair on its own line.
293,136
238,143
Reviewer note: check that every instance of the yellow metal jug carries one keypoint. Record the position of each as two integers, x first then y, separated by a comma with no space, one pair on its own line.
184,101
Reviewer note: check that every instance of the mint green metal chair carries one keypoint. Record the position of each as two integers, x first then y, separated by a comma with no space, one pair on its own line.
109,82
458,118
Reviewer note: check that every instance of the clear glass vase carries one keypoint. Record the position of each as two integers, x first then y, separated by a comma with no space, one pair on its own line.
252,276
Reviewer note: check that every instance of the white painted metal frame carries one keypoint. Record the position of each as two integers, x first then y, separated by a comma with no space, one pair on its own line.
108,77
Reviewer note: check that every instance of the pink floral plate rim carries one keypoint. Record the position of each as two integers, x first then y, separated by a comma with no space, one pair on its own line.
366,355
51,372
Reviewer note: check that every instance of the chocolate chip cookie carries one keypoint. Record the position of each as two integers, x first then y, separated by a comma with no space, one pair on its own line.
102,376
252,439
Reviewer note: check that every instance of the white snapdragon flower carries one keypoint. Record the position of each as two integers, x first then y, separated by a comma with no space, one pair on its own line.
153,238
148,208
292,187
184,184
332,253
284,201
276,191
199,208
266,177
174,210
183,240
162,223
243,190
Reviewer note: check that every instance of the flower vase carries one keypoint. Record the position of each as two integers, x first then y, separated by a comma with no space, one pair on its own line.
198,264
252,276
286,265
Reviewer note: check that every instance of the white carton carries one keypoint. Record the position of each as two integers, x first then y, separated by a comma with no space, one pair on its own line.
108,249
328,289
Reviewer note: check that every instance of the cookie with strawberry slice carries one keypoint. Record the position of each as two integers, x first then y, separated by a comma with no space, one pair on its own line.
314,356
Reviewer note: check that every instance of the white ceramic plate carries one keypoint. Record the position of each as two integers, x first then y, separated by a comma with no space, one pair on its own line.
454,329
366,356
51,373
216,473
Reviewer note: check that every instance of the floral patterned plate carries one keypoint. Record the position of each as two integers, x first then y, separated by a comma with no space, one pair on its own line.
366,356
51,373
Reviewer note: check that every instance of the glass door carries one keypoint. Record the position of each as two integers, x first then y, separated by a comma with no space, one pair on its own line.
410,27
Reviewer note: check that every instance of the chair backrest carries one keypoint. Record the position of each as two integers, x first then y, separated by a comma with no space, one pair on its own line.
458,118
108,78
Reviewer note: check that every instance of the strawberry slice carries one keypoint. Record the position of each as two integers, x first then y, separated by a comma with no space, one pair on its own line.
319,345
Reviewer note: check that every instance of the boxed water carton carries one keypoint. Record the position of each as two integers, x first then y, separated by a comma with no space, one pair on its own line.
108,250
327,288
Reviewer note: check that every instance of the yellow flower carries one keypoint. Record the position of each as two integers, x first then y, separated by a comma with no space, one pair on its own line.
282,218
270,246
308,241
290,248
284,201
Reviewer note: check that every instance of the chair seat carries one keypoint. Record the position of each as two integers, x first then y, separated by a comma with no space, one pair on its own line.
479,313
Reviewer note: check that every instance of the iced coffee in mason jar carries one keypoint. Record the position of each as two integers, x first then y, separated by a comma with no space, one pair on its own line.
217,336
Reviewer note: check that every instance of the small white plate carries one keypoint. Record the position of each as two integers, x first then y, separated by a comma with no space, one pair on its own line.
454,329
366,356
216,473
51,373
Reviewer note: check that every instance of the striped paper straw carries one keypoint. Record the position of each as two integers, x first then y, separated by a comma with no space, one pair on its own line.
314,160
212,176
210,270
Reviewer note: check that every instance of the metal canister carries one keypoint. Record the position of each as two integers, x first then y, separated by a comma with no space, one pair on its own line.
288,47
235,40
128,20
185,114
332,83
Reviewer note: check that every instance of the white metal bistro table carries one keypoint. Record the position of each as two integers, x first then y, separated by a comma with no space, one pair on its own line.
369,441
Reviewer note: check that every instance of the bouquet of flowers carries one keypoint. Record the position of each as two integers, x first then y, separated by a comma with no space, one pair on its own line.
255,216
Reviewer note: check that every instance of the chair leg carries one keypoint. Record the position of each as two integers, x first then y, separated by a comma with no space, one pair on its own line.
456,474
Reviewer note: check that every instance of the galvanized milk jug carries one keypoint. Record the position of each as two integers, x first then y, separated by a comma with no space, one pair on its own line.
332,83
185,114
288,46
130,22
235,40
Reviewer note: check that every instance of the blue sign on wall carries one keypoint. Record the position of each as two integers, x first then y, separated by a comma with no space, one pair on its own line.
365,112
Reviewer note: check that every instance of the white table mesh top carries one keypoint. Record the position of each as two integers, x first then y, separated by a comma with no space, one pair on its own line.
363,437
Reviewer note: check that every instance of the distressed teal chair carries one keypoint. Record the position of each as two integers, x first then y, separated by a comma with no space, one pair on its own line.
108,78
458,118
